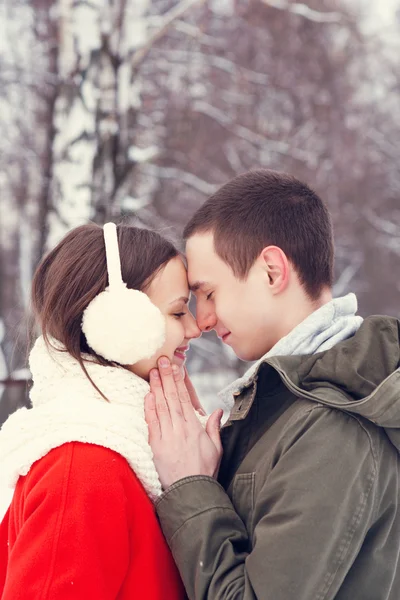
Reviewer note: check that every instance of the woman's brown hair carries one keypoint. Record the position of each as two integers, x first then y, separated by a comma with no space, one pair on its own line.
75,271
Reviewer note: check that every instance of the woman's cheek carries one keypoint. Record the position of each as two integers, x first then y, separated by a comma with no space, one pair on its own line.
166,349
175,335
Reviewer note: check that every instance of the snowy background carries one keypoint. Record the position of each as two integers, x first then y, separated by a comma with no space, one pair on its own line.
140,109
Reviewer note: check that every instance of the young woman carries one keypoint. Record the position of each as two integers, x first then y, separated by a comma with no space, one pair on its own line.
81,523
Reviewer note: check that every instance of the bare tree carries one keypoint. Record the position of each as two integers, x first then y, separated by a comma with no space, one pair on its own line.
141,109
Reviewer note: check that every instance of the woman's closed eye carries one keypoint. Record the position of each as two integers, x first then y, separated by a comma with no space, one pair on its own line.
209,296
179,315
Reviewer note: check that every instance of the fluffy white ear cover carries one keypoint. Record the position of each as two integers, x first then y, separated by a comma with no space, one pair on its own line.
121,324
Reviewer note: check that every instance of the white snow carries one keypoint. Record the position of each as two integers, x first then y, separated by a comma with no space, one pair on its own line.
129,203
380,16
140,155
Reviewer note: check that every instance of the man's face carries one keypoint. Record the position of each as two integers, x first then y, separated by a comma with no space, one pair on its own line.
244,314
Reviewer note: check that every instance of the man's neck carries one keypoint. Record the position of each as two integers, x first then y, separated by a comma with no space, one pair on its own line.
301,307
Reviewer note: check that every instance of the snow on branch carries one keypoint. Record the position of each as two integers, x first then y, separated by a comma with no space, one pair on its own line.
383,225
197,33
141,155
184,176
388,232
251,136
172,15
299,8
343,284
219,62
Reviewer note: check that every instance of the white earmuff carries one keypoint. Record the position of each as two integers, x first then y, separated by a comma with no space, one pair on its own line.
120,324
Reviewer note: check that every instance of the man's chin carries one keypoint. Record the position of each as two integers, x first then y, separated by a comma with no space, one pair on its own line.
243,354
247,354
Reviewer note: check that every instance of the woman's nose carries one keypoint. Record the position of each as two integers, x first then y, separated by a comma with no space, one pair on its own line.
192,329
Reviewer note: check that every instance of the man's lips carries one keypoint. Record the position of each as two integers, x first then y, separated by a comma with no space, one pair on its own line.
225,336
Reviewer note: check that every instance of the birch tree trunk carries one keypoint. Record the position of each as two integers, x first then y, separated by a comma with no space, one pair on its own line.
101,47
96,108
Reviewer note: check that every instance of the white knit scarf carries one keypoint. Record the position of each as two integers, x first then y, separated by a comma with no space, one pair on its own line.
66,407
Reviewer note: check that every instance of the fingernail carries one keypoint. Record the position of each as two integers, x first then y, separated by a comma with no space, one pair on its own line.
154,373
175,369
164,362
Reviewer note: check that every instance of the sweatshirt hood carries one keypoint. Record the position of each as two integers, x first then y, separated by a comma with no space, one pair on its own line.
360,375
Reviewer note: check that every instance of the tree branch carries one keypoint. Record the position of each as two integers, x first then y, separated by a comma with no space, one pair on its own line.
174,13
298,8
219,62
184,176
251,136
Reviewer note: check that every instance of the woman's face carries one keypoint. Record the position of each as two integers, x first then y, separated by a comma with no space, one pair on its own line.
169,291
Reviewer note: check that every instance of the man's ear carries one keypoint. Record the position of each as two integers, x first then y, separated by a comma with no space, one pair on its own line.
277,268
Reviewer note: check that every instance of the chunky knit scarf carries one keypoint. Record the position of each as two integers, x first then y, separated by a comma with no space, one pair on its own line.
66,407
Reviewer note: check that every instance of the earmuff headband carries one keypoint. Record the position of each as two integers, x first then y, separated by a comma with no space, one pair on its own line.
112,255
122,324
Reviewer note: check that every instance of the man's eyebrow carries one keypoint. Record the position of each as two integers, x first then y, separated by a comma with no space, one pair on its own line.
183,299
197,285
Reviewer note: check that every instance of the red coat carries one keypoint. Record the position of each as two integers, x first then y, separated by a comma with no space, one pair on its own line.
80,526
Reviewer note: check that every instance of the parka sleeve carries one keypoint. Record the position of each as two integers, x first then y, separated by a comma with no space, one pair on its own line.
71,519
310,517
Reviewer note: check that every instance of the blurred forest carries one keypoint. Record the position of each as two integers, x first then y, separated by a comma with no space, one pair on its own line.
141,108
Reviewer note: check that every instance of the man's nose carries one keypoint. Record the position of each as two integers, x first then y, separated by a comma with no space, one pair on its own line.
206,318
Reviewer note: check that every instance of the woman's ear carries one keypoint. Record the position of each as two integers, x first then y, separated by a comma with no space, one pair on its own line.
277,269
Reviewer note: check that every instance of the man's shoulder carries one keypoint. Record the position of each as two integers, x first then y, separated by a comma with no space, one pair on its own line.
314,428
309,425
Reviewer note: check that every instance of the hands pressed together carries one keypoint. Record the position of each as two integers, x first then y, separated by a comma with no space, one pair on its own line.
181,445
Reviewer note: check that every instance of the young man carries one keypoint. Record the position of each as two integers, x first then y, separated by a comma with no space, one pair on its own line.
306,504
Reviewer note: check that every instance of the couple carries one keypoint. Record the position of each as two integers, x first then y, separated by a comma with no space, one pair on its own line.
116,467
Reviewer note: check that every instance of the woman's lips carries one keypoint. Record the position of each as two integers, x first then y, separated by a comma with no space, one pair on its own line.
181,352
225,336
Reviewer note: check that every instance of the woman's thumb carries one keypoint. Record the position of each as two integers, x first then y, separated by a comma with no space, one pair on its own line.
213,426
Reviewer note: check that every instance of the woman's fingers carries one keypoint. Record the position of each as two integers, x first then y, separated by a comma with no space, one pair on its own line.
151,416
170,393
213,428
193,394
183,394
157,389
213,431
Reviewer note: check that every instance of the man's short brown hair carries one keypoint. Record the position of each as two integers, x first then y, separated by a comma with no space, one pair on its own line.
263,208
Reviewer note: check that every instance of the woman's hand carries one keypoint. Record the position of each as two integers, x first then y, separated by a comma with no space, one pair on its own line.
193,394
181,446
